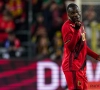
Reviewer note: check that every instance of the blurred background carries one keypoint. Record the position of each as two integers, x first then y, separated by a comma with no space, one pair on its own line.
32,28
30,39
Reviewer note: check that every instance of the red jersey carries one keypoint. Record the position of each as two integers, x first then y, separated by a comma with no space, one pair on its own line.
4,26
17,43
75,48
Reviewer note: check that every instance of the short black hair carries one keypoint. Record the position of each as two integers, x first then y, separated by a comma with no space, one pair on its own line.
72,5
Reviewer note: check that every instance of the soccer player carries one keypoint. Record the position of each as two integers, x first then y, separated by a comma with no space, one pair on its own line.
75,50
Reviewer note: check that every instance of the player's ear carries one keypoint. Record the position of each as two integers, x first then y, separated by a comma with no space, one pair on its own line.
69,18
68,15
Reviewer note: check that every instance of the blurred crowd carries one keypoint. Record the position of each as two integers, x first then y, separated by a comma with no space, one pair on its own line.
13,17
47,19
43,34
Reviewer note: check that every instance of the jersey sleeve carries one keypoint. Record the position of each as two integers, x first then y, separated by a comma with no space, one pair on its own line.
69,38
91,53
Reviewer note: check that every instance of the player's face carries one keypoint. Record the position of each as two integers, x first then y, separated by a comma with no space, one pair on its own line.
74,14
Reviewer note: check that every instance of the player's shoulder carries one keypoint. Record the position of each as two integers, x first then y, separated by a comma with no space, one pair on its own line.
65,24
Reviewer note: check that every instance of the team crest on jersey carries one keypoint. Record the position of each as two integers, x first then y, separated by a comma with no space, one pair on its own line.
79,83
83,36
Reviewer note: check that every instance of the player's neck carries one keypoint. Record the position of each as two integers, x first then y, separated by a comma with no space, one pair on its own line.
71,21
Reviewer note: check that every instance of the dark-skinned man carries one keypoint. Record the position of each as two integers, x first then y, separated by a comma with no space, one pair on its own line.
75,50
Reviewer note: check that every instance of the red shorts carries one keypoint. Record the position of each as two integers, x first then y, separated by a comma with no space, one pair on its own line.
76,80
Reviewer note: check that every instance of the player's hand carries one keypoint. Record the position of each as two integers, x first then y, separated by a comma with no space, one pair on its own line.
98,58
77,25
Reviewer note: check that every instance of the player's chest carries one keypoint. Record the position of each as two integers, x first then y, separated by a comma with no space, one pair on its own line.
81,33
